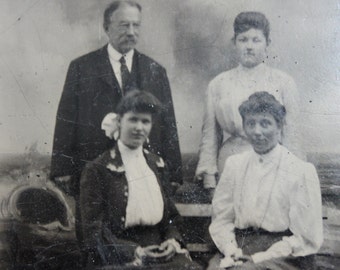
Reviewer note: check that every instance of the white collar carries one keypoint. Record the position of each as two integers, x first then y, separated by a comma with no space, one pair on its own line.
115,56
252,71
272,156
127,151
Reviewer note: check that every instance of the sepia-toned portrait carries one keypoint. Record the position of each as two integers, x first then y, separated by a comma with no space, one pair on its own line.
154,134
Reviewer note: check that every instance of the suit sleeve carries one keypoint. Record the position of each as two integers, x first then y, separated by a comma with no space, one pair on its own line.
64,149
170,149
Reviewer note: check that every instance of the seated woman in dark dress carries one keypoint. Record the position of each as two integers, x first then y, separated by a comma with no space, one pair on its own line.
267,205
124,192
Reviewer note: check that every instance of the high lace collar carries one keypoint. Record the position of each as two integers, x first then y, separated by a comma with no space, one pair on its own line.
254,71
125,150
271,156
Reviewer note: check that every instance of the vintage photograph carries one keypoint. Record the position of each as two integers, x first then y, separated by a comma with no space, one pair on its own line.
170,134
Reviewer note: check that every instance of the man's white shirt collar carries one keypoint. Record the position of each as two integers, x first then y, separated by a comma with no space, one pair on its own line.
114,57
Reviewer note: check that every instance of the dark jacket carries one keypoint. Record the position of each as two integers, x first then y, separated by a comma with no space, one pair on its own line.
90,92
103,201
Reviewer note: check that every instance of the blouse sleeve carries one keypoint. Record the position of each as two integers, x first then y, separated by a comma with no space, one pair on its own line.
211,137
292,135
222,226
305,220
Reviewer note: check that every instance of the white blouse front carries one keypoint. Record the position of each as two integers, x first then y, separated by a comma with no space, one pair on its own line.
225,94
275,192
145,202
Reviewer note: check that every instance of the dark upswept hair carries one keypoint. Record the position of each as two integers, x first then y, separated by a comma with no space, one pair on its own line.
263,102
113,7
139,102
251,19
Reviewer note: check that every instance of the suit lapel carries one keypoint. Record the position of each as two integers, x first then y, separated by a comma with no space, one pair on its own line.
105,70
138,70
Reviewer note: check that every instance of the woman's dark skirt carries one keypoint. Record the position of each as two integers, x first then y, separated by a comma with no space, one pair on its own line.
257,240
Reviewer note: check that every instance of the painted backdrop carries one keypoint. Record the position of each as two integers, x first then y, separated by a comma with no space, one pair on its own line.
191,38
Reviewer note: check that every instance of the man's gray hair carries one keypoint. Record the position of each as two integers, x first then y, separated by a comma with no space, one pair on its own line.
113,7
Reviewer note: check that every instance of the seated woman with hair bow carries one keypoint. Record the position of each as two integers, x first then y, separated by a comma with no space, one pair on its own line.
267,205
124,193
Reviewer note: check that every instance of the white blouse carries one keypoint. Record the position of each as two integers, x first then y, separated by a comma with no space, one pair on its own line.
145,202
275,192
225,94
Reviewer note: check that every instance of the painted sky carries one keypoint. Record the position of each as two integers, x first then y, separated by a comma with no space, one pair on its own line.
191,38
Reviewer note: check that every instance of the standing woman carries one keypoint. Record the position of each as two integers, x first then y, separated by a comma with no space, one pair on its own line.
222,133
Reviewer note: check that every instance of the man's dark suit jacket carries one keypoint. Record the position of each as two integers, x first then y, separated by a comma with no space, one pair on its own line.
90,92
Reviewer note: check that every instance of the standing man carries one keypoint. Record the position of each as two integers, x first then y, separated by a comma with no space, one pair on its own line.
94,85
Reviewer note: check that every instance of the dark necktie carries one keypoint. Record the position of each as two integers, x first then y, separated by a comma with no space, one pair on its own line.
124,71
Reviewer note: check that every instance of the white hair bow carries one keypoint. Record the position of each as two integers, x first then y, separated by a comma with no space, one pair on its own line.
110,126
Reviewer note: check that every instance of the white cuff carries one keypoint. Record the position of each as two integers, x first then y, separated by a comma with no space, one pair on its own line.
260,257
209,182
231,249
227,262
